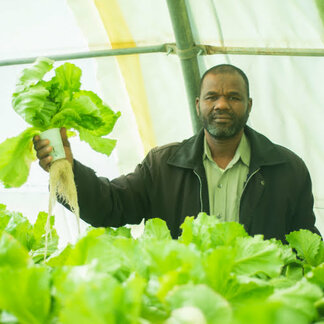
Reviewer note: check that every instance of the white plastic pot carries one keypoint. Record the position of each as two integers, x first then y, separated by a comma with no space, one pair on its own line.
54,136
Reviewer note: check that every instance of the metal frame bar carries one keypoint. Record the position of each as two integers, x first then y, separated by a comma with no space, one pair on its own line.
211,50
91,54
187,52
171,48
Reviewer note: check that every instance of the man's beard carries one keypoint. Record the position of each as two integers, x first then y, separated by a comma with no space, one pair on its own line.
220,130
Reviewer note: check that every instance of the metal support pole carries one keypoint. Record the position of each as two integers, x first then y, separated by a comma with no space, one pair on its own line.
187,52
171,48
100,53
211,50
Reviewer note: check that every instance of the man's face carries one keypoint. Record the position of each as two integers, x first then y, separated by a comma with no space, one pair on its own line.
223,106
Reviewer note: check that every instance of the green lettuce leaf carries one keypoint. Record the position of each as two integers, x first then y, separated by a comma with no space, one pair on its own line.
266,312
219,270
25,293
79,112
192,227
37,248
215,309
255,255
316,276
286,252
108,116
30,76
16,155
156,228
165,256
4,217
243,289
34,107
99,144
308,245
226,233
116,255
300,298
68,77
20,228
90,296
12,252
31,237
60,257
216,233
119,231
218,267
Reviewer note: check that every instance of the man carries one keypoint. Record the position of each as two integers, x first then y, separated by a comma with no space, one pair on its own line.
227,170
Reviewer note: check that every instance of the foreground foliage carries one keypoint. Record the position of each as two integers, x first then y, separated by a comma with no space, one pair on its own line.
214,273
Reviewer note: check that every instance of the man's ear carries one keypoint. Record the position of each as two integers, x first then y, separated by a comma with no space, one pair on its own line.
197,106
250,104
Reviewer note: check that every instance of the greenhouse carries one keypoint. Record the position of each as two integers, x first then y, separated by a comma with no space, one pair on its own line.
232,239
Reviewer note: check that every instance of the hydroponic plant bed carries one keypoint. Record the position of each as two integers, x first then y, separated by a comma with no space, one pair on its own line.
214,273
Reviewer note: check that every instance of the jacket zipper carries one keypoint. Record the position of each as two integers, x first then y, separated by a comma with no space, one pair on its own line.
246,182
200,185
200,191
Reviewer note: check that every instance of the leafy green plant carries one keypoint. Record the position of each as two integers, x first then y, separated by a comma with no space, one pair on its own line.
227,277
54,103
31,237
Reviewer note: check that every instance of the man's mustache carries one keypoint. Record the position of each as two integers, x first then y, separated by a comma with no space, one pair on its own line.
215,114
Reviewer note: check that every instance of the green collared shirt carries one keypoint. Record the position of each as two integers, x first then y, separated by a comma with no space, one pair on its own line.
225,186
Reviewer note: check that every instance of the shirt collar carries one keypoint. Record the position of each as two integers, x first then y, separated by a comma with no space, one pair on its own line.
243,152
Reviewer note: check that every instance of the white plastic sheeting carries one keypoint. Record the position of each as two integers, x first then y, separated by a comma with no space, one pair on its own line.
286,90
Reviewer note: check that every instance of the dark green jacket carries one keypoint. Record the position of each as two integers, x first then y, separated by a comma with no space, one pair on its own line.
171,184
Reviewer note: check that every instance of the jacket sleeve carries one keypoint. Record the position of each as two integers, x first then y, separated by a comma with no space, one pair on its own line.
124,200
304,217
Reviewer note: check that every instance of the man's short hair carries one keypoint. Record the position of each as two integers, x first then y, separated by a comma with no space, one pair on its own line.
226,68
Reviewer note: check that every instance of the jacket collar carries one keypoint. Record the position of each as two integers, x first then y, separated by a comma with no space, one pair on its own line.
263,151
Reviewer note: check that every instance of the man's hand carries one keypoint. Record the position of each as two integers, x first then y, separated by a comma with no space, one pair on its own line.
43,149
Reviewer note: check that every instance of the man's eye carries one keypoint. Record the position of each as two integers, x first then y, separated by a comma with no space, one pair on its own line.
234,98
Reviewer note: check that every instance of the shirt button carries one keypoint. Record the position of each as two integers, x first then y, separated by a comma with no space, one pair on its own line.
220,185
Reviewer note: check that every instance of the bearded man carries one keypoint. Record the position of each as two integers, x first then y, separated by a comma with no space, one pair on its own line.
227,170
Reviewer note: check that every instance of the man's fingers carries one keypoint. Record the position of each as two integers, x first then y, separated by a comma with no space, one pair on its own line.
36,138
44,151
46,162
64,137
39,144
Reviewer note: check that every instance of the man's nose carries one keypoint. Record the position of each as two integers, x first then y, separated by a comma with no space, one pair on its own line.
221,103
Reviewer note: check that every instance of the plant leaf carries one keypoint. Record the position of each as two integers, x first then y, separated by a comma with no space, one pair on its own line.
214,307
254,255
12,252
156,228
99,144
300,298
68,77
316,276
31,75
307,245
193,227
226,233
21,229
16,155
25,293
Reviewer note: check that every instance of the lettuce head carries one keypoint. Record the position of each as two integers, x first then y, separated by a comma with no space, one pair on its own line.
54,103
